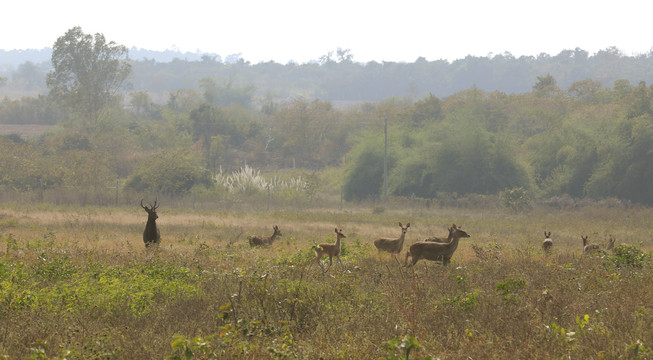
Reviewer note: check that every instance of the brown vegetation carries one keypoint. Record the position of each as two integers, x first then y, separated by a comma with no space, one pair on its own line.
76,283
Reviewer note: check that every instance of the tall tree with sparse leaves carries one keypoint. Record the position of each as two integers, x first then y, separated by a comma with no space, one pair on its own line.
87,72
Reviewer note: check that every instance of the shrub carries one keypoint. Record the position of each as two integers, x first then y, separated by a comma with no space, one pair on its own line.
516,199
628,255
169,172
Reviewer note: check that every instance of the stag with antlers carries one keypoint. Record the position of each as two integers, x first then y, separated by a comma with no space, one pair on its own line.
151,235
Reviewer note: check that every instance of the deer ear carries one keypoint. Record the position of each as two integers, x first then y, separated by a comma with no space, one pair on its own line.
408,225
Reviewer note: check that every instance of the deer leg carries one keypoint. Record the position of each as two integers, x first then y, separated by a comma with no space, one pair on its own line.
415,260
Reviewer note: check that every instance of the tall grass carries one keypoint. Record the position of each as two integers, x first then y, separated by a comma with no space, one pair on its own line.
77,283
247,180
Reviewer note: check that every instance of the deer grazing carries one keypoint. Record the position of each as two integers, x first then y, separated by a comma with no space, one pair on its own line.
588,249
392,246
256,240
436,251
330,250
548,242
151,235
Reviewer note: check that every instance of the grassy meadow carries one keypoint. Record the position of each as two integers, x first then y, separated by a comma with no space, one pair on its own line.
78,283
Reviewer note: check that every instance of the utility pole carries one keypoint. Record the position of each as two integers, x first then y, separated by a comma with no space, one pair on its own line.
385,158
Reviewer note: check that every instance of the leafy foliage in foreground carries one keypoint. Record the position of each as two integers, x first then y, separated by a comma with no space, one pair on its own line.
215,300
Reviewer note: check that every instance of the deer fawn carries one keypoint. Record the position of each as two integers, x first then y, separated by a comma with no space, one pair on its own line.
548,242
151,235
436,251
329,249
588,249
392,246
256,240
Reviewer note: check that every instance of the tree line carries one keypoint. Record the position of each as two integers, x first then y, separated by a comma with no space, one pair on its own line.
339,78
582,140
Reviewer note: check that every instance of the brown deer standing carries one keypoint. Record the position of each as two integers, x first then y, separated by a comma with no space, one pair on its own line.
390,245
436,251
441,240
588,249
330,250
256,240
151,235
548,242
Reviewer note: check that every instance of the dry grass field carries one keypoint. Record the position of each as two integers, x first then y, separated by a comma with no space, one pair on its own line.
78,283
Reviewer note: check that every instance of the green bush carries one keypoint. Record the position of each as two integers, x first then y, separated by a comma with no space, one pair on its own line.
169,172
517,199
629,255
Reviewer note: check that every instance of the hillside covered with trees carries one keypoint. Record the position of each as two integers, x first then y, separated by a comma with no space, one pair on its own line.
567,125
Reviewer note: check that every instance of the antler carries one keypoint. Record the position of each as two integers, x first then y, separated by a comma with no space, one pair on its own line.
151,208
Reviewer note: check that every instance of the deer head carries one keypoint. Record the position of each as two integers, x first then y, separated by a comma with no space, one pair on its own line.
151,211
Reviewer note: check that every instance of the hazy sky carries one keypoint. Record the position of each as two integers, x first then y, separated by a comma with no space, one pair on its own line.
304,30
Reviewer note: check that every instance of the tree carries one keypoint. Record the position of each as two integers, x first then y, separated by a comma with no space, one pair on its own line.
171,172
427,109
364,174
206,122
585,90
87,72
546,86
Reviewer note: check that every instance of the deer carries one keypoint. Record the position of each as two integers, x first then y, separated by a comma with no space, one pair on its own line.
330,250
441,240
151,235
390,245
611,241
255,240
588,249
436,251
548,242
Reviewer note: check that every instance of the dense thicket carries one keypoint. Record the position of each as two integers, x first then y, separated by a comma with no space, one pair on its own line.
582,139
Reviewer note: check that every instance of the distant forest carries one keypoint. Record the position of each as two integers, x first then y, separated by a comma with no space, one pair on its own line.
573,125
338,78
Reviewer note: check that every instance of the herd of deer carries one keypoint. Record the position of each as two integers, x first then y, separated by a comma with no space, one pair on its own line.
434,248
588,249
